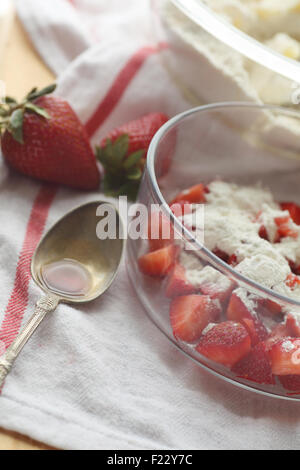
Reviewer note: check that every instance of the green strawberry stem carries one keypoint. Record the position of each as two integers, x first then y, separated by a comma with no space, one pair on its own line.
123,172
12,112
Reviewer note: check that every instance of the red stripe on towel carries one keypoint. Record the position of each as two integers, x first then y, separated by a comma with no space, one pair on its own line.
19,297
118,88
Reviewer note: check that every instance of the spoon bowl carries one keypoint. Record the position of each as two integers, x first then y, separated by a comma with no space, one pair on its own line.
74,237
75,262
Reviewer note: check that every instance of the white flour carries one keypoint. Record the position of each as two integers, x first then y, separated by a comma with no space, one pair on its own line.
207,275
209,327
288,346
233,218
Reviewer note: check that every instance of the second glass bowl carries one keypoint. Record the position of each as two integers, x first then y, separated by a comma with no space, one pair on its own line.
211,59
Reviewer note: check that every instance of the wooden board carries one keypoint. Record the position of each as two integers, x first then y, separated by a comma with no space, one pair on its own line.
14,441
22,70
22,67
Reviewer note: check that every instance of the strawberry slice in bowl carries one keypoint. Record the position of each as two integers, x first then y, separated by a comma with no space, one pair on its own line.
285,228
290,383
293,209
211,282
193,195
285,357
256,366
177,283
190,315
270,308
293,325
226,343
160,231
278,332
243,308
158,263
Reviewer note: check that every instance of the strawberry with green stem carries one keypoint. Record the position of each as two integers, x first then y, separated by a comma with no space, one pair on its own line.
122,172
43,138
123,154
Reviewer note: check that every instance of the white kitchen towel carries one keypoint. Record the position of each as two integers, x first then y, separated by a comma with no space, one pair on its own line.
102,376
63,29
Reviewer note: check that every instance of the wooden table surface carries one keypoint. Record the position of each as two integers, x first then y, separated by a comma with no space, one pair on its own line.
19,57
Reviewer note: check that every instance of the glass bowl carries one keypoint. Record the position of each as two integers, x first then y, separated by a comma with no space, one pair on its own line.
212,60
236,142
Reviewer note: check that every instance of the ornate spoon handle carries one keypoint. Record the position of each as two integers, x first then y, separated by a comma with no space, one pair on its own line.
44,305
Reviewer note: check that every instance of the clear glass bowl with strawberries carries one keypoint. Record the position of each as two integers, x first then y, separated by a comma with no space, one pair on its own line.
217,265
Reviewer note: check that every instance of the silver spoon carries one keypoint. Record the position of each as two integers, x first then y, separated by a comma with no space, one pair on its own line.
71,265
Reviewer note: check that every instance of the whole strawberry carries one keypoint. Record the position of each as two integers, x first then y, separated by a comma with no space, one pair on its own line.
123,154
42,137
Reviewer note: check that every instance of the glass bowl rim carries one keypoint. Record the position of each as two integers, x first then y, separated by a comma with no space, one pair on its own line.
253,286
206,18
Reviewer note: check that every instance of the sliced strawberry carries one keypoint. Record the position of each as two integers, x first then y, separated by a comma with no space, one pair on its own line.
237,309
293,209
159,262
243,309
226,343
285,219
271,308
250,327
160,231
290,382
219,287
284,228
261,332
295,268
263,233
209,281
195,194
278,333
222,255
285,357
293,325
181,208
217,291
190,314
286,231
255,366
177,283
292,281
256,329
232,260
